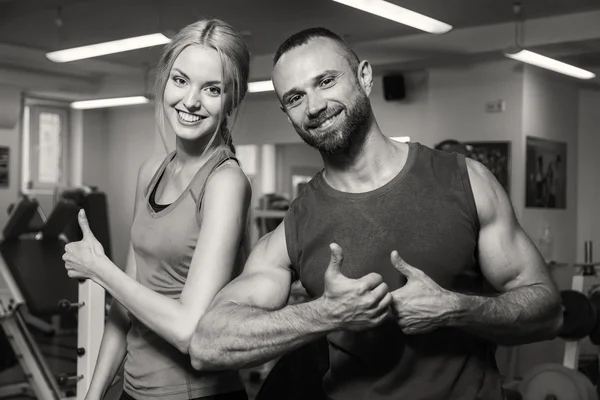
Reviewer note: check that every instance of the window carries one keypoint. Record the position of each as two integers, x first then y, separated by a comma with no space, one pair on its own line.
45,146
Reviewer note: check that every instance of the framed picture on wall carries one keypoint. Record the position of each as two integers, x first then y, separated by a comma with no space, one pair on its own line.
495,156
4,172
546,173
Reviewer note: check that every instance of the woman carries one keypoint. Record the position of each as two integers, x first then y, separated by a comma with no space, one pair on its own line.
188,229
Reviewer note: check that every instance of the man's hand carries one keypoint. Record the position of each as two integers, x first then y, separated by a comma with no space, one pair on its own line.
354,304
421,305
82,258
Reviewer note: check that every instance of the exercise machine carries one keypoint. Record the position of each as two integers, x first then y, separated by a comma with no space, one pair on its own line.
33,280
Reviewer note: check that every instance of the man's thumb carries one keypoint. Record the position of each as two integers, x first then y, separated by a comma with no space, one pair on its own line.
402,266
337,257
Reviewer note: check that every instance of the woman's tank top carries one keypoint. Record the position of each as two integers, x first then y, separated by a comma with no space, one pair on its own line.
164,241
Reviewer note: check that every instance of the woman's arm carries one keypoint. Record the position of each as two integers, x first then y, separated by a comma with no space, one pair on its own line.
113,347
224,212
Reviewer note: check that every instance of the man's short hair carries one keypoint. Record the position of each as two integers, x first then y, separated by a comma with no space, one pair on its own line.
304,36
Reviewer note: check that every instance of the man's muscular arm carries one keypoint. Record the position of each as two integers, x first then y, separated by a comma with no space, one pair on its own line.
528,308
249,322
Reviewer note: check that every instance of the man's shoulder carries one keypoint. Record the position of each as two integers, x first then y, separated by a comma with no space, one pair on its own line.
490,197
305,195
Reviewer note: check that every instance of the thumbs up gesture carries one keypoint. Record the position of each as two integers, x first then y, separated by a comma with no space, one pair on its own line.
421,305
82,259
353,304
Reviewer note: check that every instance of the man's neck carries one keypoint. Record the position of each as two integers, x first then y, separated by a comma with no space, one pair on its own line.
378,160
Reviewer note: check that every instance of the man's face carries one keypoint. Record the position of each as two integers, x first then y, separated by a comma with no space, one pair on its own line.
321,95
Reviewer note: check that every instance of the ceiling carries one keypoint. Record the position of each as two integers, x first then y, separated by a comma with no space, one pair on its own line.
264,23
30,28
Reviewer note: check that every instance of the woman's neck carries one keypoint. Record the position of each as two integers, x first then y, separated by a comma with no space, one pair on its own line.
194,152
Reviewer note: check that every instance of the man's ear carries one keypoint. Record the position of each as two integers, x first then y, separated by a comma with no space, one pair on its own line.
365,76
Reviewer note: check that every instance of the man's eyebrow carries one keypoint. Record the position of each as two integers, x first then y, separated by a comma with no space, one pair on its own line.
315,80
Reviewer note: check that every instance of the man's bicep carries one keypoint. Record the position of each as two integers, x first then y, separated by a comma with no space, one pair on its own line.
509,259
507,256
267,276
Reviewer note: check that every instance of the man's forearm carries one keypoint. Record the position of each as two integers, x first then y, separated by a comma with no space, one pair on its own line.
519,316
234,336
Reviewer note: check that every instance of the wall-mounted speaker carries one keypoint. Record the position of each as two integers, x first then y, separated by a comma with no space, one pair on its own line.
393,87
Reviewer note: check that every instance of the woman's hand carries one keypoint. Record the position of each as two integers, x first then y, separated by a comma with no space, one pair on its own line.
84,258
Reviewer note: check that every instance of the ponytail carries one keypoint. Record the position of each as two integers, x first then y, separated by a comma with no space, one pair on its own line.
227,139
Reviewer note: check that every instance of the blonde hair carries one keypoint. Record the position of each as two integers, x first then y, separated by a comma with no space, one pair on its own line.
235,63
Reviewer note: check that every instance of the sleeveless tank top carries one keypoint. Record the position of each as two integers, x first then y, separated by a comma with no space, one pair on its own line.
427,212
164,243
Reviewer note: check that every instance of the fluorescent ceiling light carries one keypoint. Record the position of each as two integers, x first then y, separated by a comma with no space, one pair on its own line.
104,103
260,86
530,57
401,138
101,49
399,14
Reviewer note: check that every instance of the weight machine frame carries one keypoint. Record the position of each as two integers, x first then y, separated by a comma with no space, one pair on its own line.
39,379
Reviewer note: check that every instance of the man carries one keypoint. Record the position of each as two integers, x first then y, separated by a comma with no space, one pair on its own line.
428,267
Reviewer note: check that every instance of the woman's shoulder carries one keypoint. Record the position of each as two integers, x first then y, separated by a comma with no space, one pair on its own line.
230,171
149,167
228,176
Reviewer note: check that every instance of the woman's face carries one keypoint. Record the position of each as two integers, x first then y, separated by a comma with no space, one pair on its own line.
192,98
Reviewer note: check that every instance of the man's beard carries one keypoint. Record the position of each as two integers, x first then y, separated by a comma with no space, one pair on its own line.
350,134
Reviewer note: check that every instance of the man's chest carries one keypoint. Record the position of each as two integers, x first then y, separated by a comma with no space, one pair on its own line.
441,246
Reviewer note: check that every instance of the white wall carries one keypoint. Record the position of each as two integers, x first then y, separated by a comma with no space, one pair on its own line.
260,121
407,117
131,140
457,100
550,111
588,168
95,155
